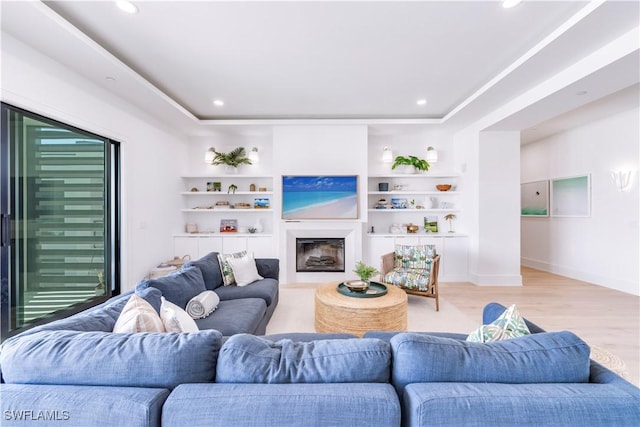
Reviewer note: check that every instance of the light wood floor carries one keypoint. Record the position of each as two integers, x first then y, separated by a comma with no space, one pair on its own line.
600,316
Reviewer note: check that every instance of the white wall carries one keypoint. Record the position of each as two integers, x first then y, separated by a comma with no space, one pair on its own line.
489,165
604,248
152,156
311,150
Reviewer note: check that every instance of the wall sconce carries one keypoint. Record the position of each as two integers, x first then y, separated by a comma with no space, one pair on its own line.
622,179
432,155
253,155
387,155
209,155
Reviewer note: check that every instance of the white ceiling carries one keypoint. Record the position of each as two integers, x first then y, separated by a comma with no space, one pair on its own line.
324,60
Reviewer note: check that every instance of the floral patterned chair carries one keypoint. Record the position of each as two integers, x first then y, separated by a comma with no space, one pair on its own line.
413,269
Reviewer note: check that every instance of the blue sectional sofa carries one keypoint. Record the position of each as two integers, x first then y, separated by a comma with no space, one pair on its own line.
77,372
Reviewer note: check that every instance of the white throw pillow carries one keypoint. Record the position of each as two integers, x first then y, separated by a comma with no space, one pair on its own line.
175,319
138,316
244,270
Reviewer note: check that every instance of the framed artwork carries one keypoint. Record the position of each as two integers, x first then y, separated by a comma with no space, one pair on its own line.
228,225
571,197
319,197
261,203
534,198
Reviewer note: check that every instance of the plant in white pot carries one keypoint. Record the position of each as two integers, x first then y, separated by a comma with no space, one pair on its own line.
411,164
232,160
364,271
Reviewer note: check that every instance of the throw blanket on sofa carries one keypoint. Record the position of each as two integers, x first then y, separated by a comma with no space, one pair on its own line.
202,304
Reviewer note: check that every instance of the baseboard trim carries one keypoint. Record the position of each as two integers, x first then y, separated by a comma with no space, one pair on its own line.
595,279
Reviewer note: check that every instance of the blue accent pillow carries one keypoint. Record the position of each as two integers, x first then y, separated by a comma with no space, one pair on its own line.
548,357
178,287
210,268
151,295
249,359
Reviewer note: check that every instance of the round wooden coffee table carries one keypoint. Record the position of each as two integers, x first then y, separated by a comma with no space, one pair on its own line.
341,313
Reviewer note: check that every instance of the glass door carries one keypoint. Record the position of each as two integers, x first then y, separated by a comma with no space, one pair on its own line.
58,222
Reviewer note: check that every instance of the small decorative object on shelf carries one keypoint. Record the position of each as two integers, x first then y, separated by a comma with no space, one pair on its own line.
214,186
258,226
252,187
443,187
431,224
364,271
412,228
262,189
228,225
383,186
194,189
192,228
413,162
450,217
232,189
399,203
261,203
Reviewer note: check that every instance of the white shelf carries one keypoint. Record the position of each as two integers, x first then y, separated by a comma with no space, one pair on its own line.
421,234
236,234
416,175
413,210
223,193
406,193
229,176
226,210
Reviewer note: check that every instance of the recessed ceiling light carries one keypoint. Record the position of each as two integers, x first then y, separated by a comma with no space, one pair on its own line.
421,102
508,4
218,102
127,6
110,78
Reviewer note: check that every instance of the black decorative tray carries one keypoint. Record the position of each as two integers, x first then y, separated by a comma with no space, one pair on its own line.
375,290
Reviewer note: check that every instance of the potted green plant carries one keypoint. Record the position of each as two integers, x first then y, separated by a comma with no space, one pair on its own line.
417,163
233,159
364,271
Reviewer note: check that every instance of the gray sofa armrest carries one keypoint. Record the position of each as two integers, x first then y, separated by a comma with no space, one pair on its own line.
269,268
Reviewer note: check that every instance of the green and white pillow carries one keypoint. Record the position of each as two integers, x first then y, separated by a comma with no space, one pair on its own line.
509,325
408,256
225,268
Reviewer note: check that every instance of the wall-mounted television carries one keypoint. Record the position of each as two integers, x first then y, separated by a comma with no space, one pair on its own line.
319,197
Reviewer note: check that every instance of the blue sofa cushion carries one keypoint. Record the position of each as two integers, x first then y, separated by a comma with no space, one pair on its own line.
236,316
97,358
250,359
387,335
280,405
522,405
210,269
69,405
267,289
178,287
550,357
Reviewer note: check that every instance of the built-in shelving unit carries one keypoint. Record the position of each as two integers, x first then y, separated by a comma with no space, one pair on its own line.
203,212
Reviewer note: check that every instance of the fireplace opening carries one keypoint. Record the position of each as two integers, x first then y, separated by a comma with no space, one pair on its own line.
319,255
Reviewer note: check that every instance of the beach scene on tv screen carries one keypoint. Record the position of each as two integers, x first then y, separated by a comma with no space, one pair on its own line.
320,197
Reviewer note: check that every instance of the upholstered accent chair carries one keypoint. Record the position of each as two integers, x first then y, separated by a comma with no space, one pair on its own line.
414,269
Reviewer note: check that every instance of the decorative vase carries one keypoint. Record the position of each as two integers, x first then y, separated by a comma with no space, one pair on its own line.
258,226
231,170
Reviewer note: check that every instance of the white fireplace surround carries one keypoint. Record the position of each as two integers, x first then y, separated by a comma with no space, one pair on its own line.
350,231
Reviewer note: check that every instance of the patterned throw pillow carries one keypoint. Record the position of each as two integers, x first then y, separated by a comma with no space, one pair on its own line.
408,256
227,273
138,316
509,325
